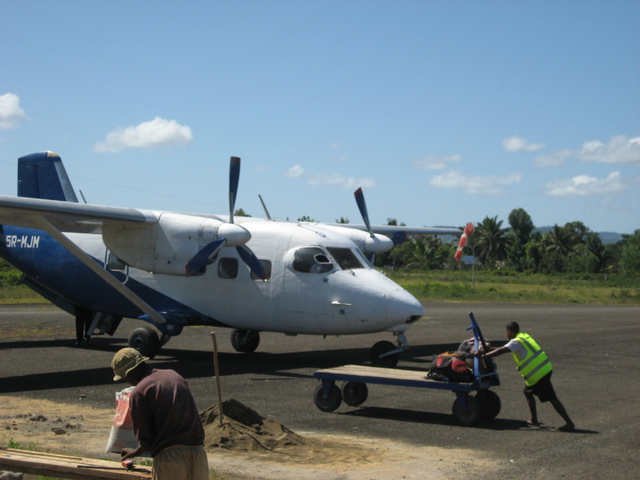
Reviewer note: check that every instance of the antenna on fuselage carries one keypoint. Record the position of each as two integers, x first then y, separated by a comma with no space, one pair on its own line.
266,212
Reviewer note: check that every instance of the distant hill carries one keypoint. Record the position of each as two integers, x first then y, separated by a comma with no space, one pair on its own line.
610,237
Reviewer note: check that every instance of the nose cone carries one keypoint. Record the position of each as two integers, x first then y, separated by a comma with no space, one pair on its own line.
403,307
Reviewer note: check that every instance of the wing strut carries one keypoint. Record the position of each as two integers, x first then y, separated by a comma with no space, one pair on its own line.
98,270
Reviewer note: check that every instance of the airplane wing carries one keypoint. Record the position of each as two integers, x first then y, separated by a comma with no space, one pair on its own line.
67,216
399,233
392,229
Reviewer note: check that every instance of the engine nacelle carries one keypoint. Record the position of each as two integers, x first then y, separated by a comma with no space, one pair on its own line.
365,242
168,245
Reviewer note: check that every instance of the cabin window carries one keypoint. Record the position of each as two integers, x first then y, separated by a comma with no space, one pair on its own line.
345,258
311,260
266,266
228,267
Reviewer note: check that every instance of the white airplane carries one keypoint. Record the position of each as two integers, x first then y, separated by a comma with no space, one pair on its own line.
103,264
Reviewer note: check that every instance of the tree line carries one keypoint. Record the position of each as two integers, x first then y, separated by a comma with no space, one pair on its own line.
520,247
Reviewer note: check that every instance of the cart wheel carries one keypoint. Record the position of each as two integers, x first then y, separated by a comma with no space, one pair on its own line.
380,348
330,402
354,393
471,416
490,404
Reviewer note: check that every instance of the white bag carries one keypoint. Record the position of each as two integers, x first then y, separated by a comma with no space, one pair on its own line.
122,435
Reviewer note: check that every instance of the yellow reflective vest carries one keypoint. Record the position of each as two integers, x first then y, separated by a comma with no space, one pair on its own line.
536,364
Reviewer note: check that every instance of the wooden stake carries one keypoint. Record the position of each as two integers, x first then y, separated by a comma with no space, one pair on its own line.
217,372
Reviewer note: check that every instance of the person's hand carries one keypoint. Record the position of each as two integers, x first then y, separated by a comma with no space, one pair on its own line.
127,453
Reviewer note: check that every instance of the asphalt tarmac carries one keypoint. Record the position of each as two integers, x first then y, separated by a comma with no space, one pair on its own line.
594,350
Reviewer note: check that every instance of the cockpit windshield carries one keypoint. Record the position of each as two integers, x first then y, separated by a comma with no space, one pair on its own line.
311,260
345,258
316,260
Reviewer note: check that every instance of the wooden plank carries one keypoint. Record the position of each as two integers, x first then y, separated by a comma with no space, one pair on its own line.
389,376
69,467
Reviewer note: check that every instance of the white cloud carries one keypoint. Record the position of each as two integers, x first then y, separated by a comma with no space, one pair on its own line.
10,112
585,185
518,144
620,149
159,132
341,181
295,172
434,162
475,184
555,159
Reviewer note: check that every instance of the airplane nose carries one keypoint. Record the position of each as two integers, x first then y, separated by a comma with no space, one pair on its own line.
404,307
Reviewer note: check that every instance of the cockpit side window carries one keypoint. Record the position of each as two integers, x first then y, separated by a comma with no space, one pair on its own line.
345,258
311,260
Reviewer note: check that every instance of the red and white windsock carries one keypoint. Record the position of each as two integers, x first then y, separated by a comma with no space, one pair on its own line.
468,230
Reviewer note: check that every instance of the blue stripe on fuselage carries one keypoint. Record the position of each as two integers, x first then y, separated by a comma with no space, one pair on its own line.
40,257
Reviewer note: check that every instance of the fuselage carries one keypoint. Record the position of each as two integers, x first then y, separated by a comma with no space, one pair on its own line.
318,282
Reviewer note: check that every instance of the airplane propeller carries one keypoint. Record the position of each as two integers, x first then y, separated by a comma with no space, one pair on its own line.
230,234
375,243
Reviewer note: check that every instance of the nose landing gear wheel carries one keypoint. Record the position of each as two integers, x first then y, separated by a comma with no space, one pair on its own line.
379,359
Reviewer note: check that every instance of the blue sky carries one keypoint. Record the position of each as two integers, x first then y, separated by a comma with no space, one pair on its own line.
444,112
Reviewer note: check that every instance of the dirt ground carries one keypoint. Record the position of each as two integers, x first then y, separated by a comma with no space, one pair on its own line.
269,451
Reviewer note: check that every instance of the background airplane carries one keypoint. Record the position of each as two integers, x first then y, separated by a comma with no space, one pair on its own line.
103,264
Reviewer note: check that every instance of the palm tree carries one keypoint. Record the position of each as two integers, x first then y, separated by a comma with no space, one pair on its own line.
490,241
521,229
561,240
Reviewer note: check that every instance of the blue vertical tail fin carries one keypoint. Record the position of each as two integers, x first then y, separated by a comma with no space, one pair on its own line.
42,175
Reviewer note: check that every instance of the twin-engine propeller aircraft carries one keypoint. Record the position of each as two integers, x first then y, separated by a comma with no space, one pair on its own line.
103,264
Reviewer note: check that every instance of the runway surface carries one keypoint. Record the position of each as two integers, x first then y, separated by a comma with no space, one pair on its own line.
594,350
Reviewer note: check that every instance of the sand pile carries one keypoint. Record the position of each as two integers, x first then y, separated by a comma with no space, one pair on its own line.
244,429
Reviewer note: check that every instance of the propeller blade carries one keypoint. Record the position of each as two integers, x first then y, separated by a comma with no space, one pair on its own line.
252,261
234,178
204,256
363,209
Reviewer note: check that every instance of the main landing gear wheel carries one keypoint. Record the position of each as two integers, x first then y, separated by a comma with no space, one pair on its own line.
490,404
245,341
354,393
379,359
469,417
146,341
330,402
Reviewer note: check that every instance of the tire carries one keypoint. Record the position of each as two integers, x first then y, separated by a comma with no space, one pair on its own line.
471,416
489,403
330,403
381,348
354,393
245,341
146,341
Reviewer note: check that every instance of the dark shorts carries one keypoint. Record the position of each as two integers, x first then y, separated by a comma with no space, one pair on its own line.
543,389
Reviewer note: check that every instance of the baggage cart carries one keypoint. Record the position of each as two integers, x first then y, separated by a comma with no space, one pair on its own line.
467,409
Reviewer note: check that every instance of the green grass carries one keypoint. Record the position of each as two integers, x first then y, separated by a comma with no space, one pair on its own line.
488,286
509,287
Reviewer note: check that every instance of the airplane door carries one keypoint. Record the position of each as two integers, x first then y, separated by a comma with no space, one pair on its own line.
308,289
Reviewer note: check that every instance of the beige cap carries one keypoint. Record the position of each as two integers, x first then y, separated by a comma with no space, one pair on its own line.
126,360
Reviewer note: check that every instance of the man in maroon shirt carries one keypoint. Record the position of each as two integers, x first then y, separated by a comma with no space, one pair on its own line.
165,419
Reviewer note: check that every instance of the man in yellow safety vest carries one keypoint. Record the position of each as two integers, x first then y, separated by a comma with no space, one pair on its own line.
535,367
